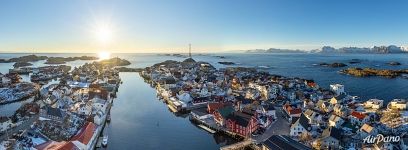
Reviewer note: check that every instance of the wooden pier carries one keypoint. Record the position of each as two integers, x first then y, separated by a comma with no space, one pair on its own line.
237,146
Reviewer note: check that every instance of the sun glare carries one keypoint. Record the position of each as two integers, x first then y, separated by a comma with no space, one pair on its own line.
104,34
103,55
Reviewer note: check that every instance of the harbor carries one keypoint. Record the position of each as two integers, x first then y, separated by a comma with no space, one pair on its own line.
173,120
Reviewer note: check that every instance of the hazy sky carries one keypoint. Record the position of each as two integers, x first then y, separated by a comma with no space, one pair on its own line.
210,25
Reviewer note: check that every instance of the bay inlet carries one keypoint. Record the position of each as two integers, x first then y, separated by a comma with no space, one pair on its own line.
141,121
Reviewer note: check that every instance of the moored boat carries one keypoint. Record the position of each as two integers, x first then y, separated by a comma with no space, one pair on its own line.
108,118
105,141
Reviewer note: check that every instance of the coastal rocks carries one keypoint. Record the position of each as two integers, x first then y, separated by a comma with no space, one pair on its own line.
3,61
221,57
355,61
366,72
21,64
63,60
226,63
115,62
394,63
333,65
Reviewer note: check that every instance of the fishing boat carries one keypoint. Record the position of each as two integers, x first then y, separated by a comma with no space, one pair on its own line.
105,141
108,118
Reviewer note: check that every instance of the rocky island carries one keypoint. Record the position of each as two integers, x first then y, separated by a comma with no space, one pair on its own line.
115,62
21,64
63,60
355,61
394,63
226,63
28,58
333,65
366,72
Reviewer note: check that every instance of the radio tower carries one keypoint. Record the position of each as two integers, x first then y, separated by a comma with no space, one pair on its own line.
189,50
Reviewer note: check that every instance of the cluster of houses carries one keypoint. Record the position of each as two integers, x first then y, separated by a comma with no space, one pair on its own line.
13,89
49,72
71,114
244,100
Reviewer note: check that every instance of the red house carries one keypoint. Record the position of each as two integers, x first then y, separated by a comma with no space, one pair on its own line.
242,123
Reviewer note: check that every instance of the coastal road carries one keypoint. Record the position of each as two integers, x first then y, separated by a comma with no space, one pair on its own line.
279,127
26,125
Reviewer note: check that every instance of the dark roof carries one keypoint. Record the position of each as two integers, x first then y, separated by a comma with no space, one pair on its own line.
241,119
226,111
294,119
249,111
54,112
304,122
333,132
283,142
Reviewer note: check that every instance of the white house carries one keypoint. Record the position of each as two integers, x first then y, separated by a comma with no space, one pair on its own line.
374,103
99,104
301,126
400,104
330,138
337,88
358,118
269,110
84,108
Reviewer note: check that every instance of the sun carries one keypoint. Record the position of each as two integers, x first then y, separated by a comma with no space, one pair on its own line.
104,55
103,33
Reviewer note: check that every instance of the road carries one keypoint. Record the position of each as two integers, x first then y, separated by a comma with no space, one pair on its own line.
24,126
279,127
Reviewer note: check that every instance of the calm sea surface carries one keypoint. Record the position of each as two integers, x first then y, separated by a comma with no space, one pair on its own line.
140,121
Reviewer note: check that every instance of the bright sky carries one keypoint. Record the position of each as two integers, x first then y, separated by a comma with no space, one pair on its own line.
144,26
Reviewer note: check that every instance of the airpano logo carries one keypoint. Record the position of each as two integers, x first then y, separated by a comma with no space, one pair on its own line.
381,138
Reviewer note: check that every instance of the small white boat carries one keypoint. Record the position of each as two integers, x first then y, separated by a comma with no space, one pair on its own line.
105,141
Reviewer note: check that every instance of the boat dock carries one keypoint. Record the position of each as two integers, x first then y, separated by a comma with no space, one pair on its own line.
211,126
207,129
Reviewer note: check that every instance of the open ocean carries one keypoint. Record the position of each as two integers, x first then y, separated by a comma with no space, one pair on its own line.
140,121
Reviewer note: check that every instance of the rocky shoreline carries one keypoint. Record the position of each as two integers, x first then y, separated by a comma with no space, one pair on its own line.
367,72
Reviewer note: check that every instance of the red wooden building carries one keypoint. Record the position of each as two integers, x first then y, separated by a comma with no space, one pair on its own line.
242,123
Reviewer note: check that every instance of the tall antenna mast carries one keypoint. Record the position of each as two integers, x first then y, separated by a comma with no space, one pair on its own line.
189,50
